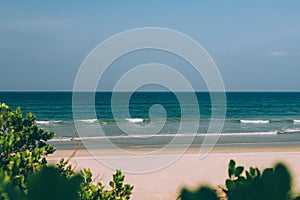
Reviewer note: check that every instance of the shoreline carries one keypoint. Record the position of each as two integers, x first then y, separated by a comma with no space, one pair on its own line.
187,170
193,150
224,140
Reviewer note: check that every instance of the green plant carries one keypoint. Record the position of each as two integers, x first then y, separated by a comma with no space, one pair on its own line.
65,168
7,189
49,184
89,191
62,183
238,185
203,193
118,190
25,176
23,171
23,147
273,183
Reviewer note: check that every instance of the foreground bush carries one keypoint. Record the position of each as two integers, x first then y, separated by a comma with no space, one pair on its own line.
24,173
89,191
272,184
205,193
49,184
23,147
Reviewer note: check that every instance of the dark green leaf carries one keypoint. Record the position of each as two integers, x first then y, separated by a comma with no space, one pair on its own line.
238,171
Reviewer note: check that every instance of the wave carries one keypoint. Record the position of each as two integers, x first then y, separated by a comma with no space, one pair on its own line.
62,139
266,121
42,122
134,120
292,121
57,121
90,121
161,135
290,131
141,120
48,122
296,121
254,121
87,120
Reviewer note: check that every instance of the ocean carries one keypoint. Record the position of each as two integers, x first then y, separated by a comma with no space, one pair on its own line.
252,118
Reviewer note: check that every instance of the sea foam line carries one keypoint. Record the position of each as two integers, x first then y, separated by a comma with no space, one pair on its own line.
254,121
134,120
164,135
48,122
291,130
87,120
42,122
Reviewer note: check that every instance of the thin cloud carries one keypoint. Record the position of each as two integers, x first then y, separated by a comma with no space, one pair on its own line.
277,53
298,53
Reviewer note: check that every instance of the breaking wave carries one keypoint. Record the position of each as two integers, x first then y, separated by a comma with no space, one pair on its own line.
254,121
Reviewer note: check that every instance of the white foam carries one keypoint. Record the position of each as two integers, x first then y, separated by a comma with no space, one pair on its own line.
42,122
61,139
296,121
254,121
134,120
292,130
48,122
88,120
166,135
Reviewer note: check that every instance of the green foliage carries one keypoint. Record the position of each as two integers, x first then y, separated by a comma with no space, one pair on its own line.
273,183
50,184
23,147
25,176
62,183
90,191
65,168
118,190
7,189
203,193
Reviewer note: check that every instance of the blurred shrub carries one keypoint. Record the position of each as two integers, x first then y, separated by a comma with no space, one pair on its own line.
7,189
49,184
272,184
203,193
89,191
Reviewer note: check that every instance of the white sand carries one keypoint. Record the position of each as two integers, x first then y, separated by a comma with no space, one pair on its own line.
188,170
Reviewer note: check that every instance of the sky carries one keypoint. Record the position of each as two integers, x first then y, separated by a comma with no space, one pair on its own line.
255,44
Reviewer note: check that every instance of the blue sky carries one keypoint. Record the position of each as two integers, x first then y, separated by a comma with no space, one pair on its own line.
256,44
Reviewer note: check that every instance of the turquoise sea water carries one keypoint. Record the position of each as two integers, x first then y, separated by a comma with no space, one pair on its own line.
252,118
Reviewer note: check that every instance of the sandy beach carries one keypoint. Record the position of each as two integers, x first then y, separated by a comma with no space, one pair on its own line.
161,175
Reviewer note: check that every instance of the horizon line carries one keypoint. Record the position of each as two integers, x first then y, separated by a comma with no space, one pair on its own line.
151,91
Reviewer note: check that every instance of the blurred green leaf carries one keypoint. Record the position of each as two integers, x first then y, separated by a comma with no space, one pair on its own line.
238,171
